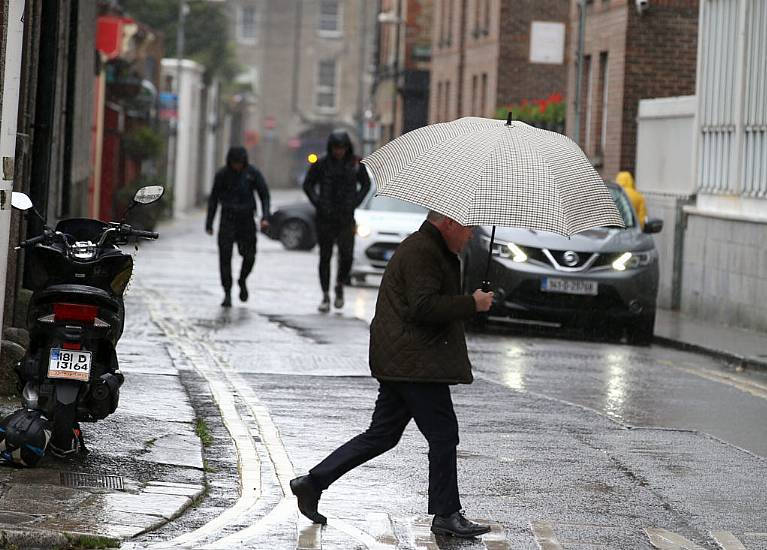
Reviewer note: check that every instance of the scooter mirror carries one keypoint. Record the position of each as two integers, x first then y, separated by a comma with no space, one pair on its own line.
149,194
21,201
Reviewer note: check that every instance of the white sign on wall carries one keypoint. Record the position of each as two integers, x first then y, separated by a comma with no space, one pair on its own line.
547,42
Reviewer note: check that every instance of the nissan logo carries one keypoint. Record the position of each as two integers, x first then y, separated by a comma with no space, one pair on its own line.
571,258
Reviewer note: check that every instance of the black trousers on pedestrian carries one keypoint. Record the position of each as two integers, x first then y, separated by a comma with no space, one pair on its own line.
241,230
341,234
431,406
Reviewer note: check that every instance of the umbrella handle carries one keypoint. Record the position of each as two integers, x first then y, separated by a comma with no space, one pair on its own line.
485,280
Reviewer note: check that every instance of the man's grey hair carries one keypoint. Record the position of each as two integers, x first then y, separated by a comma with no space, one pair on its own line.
435,217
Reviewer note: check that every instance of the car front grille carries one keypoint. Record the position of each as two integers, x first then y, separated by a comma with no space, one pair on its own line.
529,294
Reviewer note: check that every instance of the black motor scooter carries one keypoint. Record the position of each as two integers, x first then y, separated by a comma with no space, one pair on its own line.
78,275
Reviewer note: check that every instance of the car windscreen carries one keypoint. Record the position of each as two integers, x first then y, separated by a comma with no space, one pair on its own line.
392,205
624,206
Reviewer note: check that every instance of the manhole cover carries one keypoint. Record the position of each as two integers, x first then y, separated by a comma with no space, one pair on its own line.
74,479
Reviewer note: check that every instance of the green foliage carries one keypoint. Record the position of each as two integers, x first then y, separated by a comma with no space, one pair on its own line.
206,32
80,542
143,143
203,432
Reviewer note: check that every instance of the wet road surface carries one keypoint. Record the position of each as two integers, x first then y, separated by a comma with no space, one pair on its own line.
564,443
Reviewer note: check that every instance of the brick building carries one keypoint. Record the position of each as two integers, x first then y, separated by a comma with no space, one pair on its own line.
305,73
401,90
491,53
627,56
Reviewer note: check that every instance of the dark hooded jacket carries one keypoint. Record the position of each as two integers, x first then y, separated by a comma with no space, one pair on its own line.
234,190
337,187
417,333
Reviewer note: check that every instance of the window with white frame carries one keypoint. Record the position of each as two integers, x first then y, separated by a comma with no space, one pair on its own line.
325,89
330,22
248,24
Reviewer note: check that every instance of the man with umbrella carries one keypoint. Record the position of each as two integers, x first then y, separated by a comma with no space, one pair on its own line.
472,171
417,349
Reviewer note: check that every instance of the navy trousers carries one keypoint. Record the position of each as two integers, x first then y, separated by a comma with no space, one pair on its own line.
431,406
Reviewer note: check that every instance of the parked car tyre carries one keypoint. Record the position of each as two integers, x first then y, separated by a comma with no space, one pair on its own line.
640,332
294,235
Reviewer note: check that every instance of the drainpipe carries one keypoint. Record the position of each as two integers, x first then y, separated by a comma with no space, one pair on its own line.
579,70
11,87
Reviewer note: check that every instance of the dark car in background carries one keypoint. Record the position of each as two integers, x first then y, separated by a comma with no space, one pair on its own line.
293,225
604,277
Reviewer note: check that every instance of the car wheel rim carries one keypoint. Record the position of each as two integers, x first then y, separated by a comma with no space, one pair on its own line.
291,234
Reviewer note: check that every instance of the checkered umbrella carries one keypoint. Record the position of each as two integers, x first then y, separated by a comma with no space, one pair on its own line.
481,171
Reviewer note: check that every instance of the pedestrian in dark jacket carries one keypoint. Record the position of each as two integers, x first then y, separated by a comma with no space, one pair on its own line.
336,185
417,349
233,187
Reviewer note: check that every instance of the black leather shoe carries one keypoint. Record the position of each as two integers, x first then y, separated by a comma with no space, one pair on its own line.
456,525
308,498
243,291
227,299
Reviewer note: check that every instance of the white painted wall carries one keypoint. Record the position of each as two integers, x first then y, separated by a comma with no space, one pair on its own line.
11,87
665,146
187,179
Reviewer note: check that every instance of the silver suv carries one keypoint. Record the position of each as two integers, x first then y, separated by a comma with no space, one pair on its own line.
605,277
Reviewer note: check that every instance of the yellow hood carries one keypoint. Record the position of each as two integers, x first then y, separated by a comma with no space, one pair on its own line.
625,180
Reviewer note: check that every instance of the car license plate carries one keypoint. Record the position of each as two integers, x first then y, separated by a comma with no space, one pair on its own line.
69,364
570,286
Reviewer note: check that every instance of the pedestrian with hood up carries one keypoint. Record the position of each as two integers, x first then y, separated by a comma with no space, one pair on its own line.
233,188
336,185
417,350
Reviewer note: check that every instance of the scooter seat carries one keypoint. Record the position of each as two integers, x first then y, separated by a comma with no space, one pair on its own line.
89,294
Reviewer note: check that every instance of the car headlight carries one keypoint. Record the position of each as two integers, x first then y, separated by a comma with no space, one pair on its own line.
364,231
632,260
509,250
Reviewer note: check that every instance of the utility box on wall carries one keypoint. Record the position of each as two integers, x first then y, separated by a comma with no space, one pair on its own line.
665,141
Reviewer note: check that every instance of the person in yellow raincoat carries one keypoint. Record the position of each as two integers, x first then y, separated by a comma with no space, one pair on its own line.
626,180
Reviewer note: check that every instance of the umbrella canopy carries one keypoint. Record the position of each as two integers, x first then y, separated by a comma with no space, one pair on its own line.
481,171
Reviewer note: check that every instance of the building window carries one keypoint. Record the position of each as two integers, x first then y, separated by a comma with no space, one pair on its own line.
446,106
486,26
449,37
477,18
602,105
326,85
438,107
585,130
483,98
474,95
330,21
248,24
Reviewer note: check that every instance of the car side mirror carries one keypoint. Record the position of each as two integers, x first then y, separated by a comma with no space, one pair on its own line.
653,225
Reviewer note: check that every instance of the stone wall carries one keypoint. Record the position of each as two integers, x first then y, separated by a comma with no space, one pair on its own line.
725,270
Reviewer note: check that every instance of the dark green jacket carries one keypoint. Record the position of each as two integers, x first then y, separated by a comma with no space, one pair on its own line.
417,333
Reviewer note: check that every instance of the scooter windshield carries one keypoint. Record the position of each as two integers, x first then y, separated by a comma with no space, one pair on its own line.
82,229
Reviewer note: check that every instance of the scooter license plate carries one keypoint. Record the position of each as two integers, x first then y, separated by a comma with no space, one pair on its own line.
69,364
